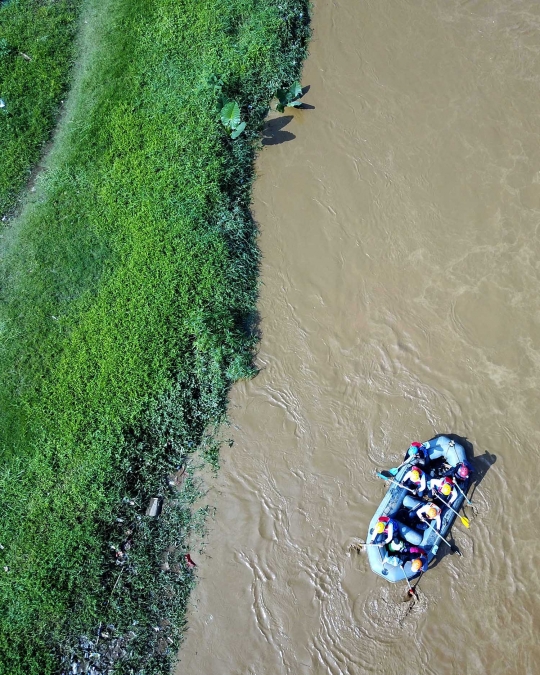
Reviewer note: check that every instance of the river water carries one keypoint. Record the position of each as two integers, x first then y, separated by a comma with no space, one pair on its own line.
400,298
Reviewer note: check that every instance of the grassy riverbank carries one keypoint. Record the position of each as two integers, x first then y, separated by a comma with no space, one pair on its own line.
127,290
36,53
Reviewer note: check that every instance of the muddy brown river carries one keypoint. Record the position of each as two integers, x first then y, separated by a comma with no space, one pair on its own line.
400,298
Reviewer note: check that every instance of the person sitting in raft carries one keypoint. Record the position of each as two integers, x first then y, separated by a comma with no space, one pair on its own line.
419,564
444,489
419,452
393,550
432,512
417,556
416,479
384,531
400,552
460,472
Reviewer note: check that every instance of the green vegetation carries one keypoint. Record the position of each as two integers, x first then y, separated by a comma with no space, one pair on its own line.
289,98
127,291
230,117
36,51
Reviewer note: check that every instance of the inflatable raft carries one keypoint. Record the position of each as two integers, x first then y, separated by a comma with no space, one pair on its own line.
398,500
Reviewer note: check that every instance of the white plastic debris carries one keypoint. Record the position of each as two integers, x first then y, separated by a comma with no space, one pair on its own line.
154,508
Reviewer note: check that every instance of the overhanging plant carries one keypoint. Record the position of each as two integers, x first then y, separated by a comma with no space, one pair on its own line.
289,98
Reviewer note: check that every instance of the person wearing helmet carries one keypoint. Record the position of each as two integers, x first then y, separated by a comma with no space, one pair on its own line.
418,452
384,530
415,478
416,565
393,550
444,489
430,512
396,545
418,558
460,472
401,552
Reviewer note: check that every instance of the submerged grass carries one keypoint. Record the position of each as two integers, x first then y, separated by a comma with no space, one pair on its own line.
36,52
126,291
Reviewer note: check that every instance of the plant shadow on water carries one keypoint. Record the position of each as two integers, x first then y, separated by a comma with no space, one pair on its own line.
251,324
306,106
273,133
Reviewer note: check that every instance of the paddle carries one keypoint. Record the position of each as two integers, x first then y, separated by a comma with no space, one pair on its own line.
453,548
417,582
411,593
381,556
363,543
464,520
360,545
393,471
466,498
408,598
382,474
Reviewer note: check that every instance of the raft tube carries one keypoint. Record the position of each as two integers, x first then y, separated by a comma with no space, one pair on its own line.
453,454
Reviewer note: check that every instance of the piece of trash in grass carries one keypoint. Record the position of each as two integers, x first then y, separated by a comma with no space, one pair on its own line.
189,561
154,508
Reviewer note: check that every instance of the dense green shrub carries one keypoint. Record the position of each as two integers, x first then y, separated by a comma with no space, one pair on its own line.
126,291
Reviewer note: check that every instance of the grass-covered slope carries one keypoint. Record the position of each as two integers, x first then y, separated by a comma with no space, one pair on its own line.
126,291
36,51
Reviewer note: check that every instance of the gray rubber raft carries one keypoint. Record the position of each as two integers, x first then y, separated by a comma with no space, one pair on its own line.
453,454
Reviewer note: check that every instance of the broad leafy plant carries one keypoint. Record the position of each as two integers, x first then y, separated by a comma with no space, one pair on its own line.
230,117
289,98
